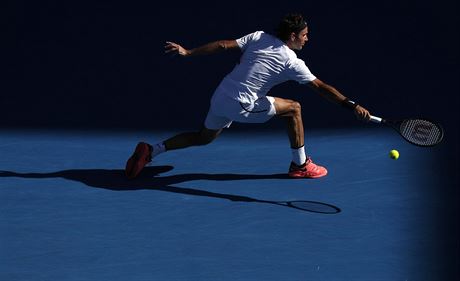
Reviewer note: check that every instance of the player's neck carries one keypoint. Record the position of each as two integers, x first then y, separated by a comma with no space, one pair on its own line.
290,45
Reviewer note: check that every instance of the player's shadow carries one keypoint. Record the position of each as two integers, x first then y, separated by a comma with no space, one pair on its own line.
150,179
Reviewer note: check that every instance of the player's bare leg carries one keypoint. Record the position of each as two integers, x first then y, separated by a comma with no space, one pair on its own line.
183,140
291,111
301,165
144,152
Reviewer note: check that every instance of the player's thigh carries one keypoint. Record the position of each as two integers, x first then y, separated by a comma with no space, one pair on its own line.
208,135
286,107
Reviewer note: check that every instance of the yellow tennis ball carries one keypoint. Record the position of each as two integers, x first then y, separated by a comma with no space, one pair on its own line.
394,154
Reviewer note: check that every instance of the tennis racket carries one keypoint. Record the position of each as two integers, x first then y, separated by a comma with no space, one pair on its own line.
417,131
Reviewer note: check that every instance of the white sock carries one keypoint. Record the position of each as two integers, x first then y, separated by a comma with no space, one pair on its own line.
158,148
298,155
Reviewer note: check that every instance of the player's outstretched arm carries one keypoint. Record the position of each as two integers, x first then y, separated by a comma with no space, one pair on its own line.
209,48
333,95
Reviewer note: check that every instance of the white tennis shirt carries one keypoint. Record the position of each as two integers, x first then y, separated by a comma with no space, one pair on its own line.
266,61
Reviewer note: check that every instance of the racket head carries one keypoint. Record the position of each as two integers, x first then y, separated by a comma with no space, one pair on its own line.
419,131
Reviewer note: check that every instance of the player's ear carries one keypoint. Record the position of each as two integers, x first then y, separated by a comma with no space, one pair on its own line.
293,36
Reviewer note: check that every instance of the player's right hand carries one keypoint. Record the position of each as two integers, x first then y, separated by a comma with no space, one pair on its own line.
175,49
362,113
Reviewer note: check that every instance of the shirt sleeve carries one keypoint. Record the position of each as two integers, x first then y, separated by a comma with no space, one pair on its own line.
244,41
298,71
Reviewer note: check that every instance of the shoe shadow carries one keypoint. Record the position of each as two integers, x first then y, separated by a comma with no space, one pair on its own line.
149,179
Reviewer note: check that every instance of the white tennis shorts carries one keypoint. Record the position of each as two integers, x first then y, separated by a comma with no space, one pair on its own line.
224,110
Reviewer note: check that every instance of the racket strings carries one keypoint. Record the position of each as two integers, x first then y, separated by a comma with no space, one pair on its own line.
421,132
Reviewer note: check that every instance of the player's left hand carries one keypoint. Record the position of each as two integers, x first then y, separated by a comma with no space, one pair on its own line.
362,113
175,49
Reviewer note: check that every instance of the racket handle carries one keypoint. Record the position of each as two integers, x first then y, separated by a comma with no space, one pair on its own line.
376,119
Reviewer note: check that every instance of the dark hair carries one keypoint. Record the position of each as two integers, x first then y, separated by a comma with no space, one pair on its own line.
293,22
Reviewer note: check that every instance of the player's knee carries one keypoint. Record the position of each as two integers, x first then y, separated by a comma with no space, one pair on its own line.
296,108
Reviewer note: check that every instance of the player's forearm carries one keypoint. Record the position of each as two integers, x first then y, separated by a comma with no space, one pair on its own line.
336,97
330,93
210,48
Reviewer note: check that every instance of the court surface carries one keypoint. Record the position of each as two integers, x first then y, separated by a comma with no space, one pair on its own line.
68,213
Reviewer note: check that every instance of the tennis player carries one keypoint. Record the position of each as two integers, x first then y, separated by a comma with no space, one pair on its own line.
242,96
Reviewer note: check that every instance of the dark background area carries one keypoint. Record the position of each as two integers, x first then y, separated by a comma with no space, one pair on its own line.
101,65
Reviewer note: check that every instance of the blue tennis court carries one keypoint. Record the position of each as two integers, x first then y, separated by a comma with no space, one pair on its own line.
206,213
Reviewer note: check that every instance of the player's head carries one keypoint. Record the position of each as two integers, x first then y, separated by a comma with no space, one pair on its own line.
293,30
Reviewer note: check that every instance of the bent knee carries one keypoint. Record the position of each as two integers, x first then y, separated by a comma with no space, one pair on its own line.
296,107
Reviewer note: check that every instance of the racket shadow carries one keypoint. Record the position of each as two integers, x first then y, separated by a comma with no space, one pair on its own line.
149,179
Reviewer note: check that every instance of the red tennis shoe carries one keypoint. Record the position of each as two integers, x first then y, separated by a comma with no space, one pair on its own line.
307,170
141,157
